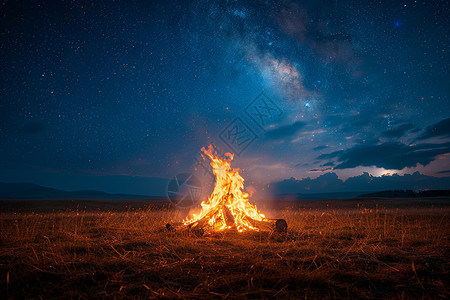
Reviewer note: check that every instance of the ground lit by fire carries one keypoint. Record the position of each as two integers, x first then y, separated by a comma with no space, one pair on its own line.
335,248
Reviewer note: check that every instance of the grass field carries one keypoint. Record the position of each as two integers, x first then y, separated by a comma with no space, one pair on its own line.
354,248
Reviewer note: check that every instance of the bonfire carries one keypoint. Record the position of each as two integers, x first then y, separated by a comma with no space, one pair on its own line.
228,207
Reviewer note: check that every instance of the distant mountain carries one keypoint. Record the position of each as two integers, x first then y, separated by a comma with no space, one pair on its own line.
391,194
318,196
407,194
34,191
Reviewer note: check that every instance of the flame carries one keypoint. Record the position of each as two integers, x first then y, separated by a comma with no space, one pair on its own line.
227,207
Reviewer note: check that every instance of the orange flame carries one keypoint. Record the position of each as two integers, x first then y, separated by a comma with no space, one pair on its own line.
227,207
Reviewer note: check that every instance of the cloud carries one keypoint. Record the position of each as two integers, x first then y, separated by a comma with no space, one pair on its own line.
362,183
398,132
350,123
318,148
392,155
328,164
294,21
319,170
328,181
444,172
334,47
285,131
440,129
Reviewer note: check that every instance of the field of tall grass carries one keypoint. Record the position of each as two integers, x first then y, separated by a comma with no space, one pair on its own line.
329,252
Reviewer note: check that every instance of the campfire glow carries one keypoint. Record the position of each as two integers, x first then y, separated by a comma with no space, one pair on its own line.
228,205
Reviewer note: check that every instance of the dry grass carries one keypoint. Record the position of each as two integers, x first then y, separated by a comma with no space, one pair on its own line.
328,252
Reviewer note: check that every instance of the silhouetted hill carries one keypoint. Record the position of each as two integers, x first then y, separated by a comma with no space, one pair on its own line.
34,191
435,193
317,196
407,194
391,194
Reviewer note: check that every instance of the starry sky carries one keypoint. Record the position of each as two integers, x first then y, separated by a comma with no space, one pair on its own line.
121,95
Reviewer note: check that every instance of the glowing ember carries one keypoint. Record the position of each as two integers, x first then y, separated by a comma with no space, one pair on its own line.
228,205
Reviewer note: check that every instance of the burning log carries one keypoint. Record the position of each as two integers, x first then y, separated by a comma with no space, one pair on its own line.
228,216
228,206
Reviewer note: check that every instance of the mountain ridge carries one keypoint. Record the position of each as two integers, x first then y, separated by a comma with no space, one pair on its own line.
26,190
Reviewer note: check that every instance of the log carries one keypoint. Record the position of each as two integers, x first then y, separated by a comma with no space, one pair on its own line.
198,232
180,227
199,227
280,226
261,225
174,226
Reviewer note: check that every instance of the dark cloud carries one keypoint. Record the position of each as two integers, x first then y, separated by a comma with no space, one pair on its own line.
398,131
440,129
318,148
325,182
334,47
320,170
392,155
367,141
444,172
362,183
294,21
350,123
285,131
328,164
302,165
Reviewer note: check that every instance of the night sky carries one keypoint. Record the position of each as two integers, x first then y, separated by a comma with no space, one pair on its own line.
120,95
